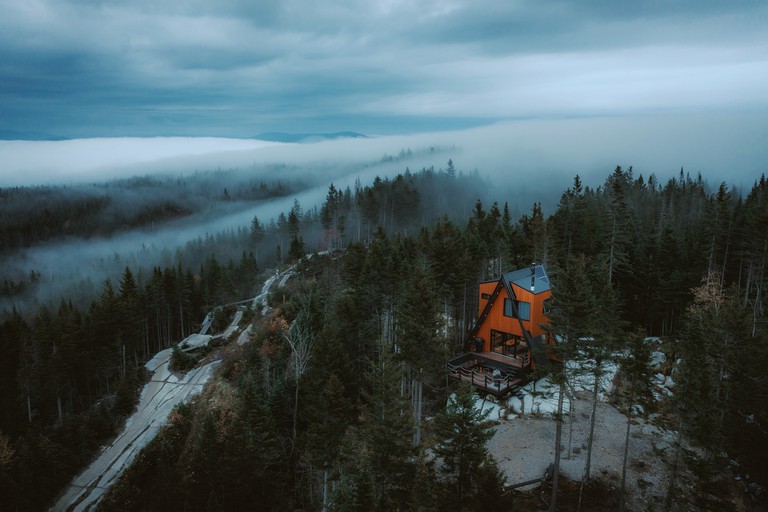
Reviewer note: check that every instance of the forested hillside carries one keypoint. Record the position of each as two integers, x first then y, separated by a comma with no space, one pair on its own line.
32,215
342,387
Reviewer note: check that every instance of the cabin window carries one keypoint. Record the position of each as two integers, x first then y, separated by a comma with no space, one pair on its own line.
505,343
523,308
486,296
547,306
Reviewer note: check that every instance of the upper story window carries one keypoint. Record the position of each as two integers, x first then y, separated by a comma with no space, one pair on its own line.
523,309
547,306
486,296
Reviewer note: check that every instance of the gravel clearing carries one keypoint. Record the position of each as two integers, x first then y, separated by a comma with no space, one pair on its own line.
524,447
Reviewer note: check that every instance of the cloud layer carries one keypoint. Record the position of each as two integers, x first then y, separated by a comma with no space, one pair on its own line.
721,146
236,68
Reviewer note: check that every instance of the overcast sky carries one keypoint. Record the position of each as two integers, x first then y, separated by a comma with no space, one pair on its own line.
89,68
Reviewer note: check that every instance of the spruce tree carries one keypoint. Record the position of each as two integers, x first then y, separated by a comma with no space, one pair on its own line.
599,348
386,435
636,372
131,315
571,322
418,346
461,432
328,418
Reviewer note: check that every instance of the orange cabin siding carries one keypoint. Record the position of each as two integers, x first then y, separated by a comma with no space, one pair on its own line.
496,319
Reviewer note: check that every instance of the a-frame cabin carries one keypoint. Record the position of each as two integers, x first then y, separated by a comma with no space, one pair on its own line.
508,339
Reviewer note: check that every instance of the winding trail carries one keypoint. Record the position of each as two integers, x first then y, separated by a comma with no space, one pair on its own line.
158,398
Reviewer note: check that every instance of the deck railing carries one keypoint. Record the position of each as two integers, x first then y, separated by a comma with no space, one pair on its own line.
480,378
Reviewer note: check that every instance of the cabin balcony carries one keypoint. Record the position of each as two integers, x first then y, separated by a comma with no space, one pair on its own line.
477,368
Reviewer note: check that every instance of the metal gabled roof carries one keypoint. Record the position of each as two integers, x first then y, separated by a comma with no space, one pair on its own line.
522,278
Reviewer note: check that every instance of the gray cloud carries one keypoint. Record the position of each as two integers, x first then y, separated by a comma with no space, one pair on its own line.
88,68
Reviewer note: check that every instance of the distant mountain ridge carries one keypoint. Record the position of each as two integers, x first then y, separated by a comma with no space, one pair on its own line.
267,136
16,135
307,137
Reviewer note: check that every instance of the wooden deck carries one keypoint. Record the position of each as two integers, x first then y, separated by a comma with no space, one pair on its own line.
521,362
477,368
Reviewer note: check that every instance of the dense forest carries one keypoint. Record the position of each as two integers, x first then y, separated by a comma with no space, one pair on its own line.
339,401
31,215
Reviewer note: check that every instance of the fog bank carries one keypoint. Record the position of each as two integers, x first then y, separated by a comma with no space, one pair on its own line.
722,146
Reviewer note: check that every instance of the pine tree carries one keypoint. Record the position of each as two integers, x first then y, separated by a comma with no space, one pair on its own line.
448,257
425,490
535,235
461,431
13,337
252,458
257,230
328,418
386,436
131,314
618,223
296,250
636,371
599,348
355,489
418,346
450,170
203,465
716,326
9,494
571,321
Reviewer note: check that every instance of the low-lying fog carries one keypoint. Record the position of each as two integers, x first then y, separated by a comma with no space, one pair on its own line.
723,146
525,161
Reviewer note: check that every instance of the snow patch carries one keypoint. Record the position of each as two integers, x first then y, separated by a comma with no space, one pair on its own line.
540,397
493,409
195,341
657,359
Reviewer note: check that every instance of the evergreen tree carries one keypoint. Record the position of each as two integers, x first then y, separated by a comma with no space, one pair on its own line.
328,418
461,431
131,314
618,225
296,250
425,490
635,368
599,348
13,332
355,490
571,321
716,328
449,259
450,170
257,230
252,456
385,438
418,346
535,236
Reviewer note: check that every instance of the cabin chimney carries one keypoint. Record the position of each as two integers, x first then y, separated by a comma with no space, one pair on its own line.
533,277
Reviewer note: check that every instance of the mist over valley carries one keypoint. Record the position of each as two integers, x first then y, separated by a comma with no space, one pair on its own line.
150,197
